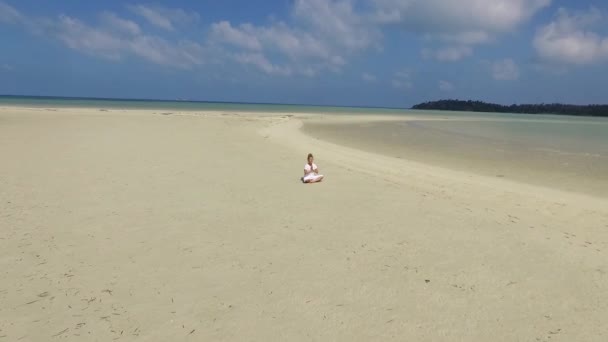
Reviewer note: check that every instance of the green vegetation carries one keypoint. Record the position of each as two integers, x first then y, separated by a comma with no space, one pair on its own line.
479,106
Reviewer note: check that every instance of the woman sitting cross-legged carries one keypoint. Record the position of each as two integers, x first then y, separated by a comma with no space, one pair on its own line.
311,171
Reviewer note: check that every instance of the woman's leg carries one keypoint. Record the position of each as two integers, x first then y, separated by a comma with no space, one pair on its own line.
312,179
316,179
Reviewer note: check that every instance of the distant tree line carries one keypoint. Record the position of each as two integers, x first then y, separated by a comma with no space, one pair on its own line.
543,108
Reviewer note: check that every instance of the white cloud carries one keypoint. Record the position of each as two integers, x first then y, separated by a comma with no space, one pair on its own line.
243,36
164,18
113,38
183,54
153,17
337,21
261,62
460,24
458,16
369,77
8,14
116,38
445,86
321,36
298,48
78,36
113,22
318,35
505,70
569,38
277,38
448,54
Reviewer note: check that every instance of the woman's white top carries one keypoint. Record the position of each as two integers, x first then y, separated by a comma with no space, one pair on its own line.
308,169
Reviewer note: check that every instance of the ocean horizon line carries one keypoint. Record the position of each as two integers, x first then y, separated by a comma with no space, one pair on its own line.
119,99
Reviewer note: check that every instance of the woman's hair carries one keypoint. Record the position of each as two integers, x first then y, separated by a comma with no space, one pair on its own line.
309,156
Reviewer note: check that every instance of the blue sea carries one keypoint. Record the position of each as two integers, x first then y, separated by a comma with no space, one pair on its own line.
44,101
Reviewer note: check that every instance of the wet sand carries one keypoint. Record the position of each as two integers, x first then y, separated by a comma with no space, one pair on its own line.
193,226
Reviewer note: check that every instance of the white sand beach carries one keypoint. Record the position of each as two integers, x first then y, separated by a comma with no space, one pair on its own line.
143,225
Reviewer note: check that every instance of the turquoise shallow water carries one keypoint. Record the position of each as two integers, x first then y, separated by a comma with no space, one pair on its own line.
569,153
584,136
32,101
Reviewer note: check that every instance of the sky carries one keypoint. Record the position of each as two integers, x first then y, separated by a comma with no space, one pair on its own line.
385,53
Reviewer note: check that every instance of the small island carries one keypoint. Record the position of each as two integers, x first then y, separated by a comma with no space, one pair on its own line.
479,106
